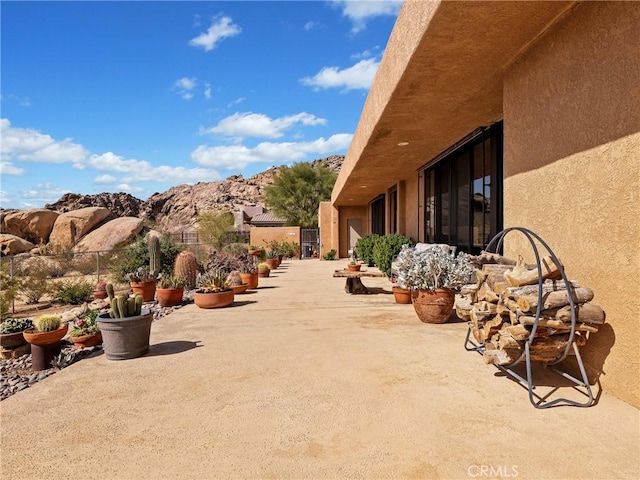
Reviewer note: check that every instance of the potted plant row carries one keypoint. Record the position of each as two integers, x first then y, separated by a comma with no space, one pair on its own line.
212,291
433,276
169,290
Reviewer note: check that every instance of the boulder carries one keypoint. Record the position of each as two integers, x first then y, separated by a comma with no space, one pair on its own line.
70,227
111,235
12,244
32,225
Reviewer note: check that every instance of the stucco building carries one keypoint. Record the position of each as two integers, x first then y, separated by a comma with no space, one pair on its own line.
486,115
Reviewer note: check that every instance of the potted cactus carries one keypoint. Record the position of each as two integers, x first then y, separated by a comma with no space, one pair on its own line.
143,282
126,328
211,290
169,290
11,331
248,271
272,259
186,266
263,270
85,332
235,283
44,337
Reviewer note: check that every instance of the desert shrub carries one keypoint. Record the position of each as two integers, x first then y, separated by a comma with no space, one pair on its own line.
386,247
33,287
330,255
72,292
364,248
221,261
235,249
136,255
8,291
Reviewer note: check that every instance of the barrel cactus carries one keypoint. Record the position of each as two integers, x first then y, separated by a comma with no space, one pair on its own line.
186,266
47,323
234,279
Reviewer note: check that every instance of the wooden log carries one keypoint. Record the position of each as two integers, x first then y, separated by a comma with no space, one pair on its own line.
463,308
558,325
521,275
488,257
478,334
585,313
528,303
496,357
547,287
518,332
508,342
355,286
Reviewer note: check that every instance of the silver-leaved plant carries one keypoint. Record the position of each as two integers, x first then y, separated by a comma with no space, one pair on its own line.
432,268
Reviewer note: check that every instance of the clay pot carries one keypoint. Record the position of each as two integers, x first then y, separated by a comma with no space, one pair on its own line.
251,279
100,291
12,339
433,306
34,337
44,345
146,289
264,273
255,252
124,338
272,262
169,297
239,288
213,300
84,341
401,295
354,268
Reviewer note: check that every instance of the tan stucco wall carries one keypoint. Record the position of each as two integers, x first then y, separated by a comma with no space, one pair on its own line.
328,226
571,169
346,213
411,207
261,236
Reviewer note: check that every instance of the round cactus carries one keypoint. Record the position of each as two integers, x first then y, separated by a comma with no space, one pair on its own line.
47,323
234,279
186,266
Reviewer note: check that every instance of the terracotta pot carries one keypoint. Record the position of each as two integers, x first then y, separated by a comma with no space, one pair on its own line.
213,300
433,306
255,252
169,297
272,262
146,289
354,268
124,338
45,338
237,289
100,291
12,339
264,273
87,340
251,279
402,295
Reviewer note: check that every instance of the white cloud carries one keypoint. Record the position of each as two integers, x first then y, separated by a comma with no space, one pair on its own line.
310,25
125,187
359,11
239,156
8,168
207,91
358,76
43,193
28,145
184,86
259,125
22,101
223,28
105,179
142,171
236,102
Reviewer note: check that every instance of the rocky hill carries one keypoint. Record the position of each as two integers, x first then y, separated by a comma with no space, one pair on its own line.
176,209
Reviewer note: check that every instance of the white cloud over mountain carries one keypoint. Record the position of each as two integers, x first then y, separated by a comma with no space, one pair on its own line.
250,124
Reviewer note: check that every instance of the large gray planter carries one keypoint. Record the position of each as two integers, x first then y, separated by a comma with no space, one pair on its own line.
124,338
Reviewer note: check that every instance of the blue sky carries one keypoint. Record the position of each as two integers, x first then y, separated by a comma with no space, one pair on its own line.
140,96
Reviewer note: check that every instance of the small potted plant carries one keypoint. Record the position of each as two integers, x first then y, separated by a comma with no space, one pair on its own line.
248,271
263,270
254,250
235,283
169,290
100,292
143,282
11,331
272,259
126,328
433,276
353,266
211,291
44,337
85,331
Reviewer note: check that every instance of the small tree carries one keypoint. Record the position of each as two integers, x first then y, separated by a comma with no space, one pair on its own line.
213,227
297,191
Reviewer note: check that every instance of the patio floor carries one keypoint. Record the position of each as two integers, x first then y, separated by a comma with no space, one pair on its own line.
301,380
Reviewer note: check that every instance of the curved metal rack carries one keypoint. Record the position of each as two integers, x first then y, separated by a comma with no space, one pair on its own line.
496,244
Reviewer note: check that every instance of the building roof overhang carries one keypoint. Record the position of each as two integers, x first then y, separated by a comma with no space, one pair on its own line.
440,78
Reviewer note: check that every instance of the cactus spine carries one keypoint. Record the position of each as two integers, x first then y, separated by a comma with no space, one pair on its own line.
47,323
125,306
186,266
155,264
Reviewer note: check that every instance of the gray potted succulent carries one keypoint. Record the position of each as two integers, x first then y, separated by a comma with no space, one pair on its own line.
433,276
126,328
11,331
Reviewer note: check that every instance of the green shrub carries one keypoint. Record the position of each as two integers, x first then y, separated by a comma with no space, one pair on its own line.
72,292
136,255
387,247
33,287
8,291
364,248
330,255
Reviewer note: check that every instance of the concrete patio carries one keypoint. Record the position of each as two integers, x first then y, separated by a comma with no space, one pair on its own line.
301,380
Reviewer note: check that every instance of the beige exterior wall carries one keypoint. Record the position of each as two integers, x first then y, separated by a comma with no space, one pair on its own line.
571,169
346,213
328,226
411,207
261,236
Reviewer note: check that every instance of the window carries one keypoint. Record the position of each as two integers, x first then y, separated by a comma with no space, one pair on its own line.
463,192
377,215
